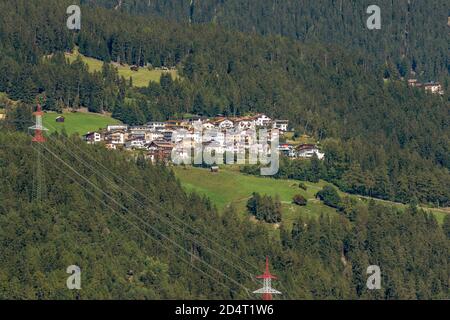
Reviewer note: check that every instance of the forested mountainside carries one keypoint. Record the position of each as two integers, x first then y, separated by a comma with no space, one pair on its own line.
414,34
136,235
381,137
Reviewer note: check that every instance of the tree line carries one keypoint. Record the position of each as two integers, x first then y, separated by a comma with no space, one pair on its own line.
381,137
413,36
322,257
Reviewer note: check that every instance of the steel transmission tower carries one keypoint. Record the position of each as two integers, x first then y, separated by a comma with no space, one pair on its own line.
38,140
267,291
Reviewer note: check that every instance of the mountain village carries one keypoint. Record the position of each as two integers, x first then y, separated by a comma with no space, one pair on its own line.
159,139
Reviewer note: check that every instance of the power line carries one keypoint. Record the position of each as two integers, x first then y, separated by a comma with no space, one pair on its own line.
144,222
114,185
159,216
163,219
137,226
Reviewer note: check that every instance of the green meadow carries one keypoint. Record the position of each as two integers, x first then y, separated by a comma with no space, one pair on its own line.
231,187
141,78
78,122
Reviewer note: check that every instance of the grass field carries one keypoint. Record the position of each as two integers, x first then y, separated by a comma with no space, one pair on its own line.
229,186
141,78
79,122
304,139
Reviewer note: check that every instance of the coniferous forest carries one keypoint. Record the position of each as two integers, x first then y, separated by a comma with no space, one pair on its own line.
414,37
312,62
124,255
382,137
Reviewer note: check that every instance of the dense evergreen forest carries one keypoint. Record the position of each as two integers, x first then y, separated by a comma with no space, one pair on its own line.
414,34
136,235
381,137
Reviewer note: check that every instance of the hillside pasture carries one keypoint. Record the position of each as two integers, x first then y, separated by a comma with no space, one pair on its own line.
140,78
230,187
77,122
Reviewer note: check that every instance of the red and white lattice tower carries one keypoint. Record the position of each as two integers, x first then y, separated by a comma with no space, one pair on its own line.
38,139
38,128
267,291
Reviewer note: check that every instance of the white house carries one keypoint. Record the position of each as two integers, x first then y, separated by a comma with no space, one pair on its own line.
138,132
156,125
308,151
262,120
152,136
281,125
139,129
92,137
224,124
434,87
246,123
181,135
208,125
117,127
135,144
116,138
287,150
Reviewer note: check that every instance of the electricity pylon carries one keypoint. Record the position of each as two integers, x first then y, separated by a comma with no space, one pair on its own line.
267,291
38,140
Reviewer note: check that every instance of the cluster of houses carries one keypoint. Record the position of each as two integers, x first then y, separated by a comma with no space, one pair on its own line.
301,151
159,139
433,87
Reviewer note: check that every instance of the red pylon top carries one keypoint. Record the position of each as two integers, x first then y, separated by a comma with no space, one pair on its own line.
267,274
38,128
267,291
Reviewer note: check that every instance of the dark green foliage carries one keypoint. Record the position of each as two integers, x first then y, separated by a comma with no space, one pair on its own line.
320,258
302,186
446,226
299,200
265,208
381,139
403,43
78,224
19,117
329,196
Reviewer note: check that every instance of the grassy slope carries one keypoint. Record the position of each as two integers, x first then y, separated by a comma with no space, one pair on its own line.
229,186
78,122
141,78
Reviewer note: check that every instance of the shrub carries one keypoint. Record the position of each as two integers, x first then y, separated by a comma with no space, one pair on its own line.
265,208
299,200
329,196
